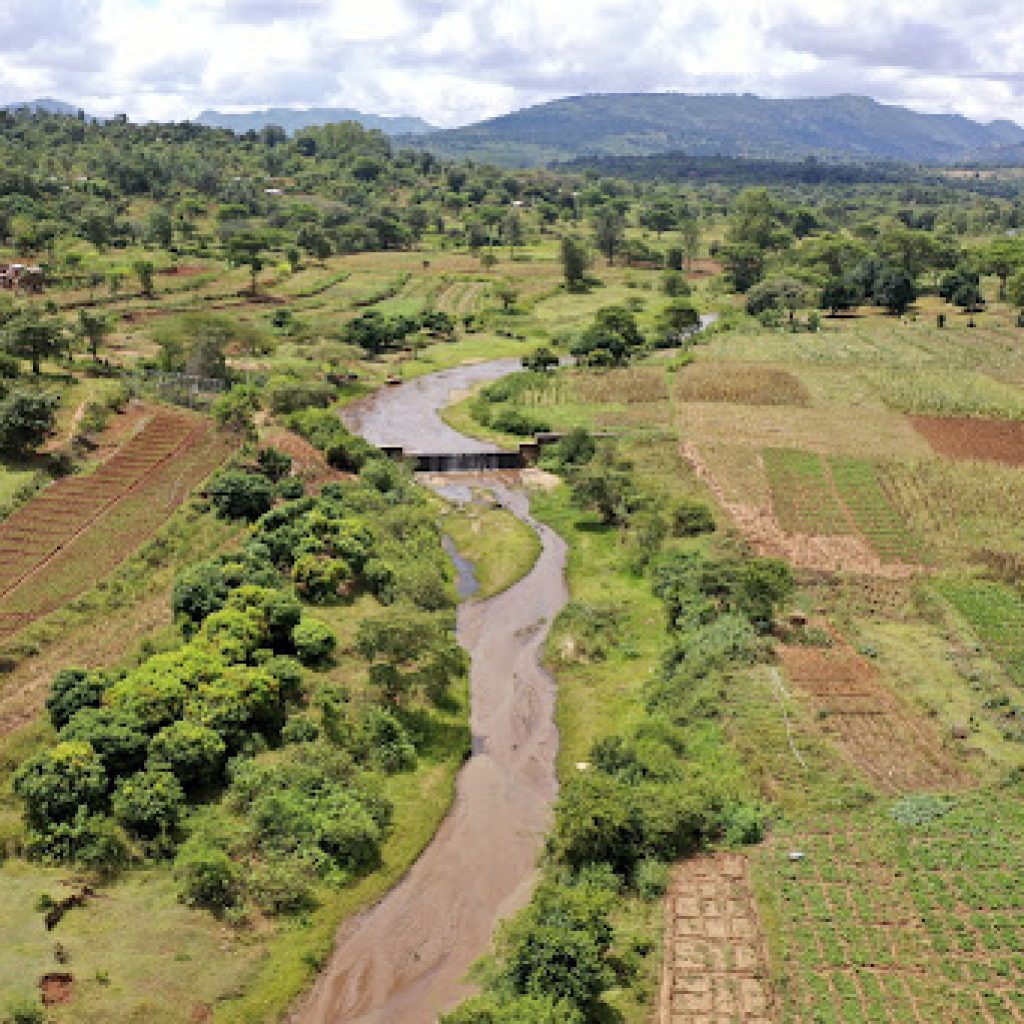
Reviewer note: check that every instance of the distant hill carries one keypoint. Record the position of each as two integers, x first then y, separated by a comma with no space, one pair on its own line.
294,120
637,124
45,104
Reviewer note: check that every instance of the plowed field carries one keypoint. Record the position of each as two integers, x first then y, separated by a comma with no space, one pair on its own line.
961,437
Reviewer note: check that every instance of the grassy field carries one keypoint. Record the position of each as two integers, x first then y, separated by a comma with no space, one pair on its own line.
501,549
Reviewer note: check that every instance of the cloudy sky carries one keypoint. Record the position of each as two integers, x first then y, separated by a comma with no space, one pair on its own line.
454,61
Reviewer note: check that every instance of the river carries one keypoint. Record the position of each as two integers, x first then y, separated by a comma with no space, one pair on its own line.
404,960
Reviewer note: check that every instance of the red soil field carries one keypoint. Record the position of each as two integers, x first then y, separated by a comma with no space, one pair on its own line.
962,437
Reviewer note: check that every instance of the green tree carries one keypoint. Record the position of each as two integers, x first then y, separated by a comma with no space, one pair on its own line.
160,227
575,263
894,290
35,336
93,328
609,231
674,320
248,249
144,271
194,753
26,419
744,263
55,784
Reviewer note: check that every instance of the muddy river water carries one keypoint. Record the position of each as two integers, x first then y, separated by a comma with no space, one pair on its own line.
404,960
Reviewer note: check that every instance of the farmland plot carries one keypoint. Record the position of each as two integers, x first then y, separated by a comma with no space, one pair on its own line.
67,538
888,741
715,968
900,916
996,614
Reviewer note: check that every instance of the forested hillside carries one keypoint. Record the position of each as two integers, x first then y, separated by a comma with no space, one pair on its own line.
850,127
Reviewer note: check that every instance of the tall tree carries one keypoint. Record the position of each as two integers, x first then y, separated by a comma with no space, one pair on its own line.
609,231
34,336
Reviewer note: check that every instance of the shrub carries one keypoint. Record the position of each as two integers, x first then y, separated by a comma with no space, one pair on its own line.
117,736
281,887
207,876
319,579
513,421
26,420
72,690
288,395
314,641
240,701
149,803
384,743
23,1010
91,840
690,518
153,693
237,494
55,784
199,591
503,1008
194,753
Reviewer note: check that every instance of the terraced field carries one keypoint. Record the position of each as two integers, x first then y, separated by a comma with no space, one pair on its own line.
77,530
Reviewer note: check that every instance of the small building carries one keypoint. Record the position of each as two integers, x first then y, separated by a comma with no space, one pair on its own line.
21,277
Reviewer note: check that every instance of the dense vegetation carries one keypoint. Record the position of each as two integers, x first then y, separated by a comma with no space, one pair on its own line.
233,745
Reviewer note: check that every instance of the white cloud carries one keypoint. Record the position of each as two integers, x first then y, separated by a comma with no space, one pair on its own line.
453,61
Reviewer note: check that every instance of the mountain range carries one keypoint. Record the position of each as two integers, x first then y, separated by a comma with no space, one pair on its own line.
292,120
636,124
604,125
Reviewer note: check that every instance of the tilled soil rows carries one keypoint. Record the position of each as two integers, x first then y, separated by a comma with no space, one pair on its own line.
715,966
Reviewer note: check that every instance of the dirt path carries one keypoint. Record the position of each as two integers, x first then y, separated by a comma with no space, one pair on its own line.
404,960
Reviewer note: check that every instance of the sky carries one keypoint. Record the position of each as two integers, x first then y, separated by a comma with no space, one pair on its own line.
456,61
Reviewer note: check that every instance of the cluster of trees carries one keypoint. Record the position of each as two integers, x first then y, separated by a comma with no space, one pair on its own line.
652,793
782,261
241,717
374,332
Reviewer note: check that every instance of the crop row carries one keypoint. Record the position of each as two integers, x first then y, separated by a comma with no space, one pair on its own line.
802,493
858,484
37,576
996,613
894,922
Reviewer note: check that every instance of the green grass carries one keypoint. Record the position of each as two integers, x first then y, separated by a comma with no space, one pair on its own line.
501,548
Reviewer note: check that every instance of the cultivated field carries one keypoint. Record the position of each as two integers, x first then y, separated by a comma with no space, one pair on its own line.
74,532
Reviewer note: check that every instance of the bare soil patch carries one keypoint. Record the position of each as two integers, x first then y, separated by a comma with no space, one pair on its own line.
891,743
183,271
715,968
742,384
963,437
56,988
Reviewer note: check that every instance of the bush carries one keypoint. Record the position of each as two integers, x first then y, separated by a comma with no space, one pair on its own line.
117,736
287,395
23,1010
26,420
193,753
57,783
513,421
314,641
514,1009
281,887
384,743
72,690
237,494
690,518
199,591
149,803
91,840
207,876
319,579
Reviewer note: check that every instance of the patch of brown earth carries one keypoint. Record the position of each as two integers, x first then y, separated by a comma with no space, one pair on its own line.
715,967
56,988
182,271
892,744
761,530
963,437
